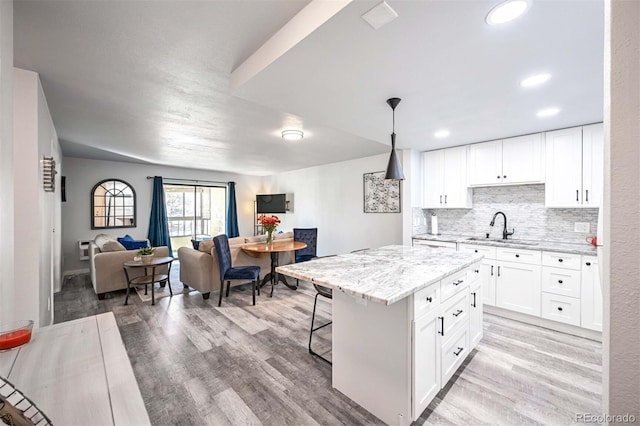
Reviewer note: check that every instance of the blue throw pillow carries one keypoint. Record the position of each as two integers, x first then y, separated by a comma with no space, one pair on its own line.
196,244
131,244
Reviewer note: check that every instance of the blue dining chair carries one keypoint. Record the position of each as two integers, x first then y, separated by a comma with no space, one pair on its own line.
228,272
310,237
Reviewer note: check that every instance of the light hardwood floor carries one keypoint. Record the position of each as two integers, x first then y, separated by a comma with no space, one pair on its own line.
240,364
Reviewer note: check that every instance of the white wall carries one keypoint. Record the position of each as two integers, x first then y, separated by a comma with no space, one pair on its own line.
34,209
6,163
83,174
621,355
330,197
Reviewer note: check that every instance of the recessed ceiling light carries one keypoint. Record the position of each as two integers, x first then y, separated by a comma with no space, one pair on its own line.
441,133
534,80
292,135
548,112
507,11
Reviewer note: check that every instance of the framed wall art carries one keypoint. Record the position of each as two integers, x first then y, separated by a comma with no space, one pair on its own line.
381,195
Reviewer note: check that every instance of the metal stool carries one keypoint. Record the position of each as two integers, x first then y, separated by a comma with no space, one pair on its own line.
325,292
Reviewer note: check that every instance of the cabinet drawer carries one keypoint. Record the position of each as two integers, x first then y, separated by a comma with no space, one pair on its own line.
435,244
518,255
488,251
454,313
561,308
453,284
473,273
561,260
426,299
454,351
565,282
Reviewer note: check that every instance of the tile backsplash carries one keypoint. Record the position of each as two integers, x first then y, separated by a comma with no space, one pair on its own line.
525,210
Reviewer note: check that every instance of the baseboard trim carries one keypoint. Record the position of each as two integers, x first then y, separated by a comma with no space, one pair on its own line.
75,272
542,322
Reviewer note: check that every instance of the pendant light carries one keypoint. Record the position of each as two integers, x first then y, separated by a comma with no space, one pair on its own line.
394,169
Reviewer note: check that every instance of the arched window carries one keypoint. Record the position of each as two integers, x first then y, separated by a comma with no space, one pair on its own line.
113,205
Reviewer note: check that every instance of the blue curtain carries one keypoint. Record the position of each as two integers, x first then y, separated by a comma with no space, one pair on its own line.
158,222
232,211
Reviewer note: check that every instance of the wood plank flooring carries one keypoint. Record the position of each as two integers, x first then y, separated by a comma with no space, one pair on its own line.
197,364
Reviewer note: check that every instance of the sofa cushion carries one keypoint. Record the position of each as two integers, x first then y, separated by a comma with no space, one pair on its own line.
205,246
284,235
101,239
112,246
131,244
236,241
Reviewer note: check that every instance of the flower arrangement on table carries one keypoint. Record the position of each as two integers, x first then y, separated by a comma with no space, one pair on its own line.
269,224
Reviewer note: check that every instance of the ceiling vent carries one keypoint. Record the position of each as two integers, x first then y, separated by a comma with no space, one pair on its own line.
380,15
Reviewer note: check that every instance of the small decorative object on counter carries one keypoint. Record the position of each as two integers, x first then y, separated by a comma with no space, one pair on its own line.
434,225
146,254
269,223
15,334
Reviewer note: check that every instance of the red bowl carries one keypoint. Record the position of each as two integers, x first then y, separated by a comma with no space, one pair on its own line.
15,334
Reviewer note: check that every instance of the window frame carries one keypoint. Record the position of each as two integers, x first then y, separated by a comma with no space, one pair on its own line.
135,205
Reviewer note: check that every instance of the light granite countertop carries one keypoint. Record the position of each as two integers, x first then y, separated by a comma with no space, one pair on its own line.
556,246
384,275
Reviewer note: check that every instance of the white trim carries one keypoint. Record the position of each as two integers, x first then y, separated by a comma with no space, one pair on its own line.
542,322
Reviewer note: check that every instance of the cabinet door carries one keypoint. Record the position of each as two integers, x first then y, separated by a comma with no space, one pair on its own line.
592,165
591,295
426,361
485,163
523,159
563,182
432,179
475,318
488,281
518,287
457,193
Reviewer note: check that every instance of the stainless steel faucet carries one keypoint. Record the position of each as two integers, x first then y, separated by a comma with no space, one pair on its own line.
505,233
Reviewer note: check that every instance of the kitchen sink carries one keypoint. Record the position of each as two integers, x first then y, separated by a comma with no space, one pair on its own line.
500,240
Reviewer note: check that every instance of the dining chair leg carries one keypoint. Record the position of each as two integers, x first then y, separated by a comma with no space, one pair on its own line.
253,285
228,287
221,291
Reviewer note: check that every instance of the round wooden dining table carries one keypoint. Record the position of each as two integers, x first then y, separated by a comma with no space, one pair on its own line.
260,249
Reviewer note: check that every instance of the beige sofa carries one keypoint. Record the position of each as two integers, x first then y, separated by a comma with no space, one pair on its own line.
105,264
199,268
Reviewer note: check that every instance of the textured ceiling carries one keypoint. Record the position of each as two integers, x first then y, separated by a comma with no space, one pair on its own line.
150,81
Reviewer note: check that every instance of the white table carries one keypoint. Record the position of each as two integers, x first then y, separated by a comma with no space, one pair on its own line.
78,373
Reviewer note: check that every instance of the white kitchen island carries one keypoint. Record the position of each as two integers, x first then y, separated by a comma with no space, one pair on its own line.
404,320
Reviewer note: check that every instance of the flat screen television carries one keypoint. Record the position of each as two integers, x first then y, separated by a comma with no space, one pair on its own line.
271,203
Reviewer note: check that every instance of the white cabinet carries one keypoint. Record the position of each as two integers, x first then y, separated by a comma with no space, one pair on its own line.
475,316
574,167
426,361
518,283
510,161
488,268
444,179
591,295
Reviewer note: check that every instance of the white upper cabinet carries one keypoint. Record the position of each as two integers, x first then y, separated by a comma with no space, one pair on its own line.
574,167
444,179
510,161
485,163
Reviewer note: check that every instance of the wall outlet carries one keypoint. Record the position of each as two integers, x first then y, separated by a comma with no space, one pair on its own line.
583,227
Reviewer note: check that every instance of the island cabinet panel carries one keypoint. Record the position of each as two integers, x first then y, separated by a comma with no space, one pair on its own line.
475,315
371,354
426,361
454,351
